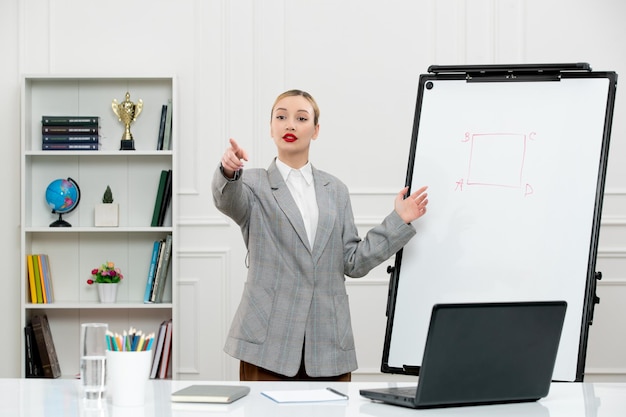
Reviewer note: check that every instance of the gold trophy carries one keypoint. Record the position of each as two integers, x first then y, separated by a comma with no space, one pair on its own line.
127,112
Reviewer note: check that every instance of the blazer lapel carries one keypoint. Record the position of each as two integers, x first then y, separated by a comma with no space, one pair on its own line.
327,211
287,203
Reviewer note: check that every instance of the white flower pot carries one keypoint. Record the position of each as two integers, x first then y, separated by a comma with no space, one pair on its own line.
107,293
107,215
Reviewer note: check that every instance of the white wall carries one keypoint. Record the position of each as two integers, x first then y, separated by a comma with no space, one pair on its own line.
361,60
10,169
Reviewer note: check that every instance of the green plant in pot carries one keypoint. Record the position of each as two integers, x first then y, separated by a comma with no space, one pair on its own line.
106,214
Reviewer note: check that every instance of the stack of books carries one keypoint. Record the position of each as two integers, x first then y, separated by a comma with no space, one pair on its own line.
165,127
70,133
163,198
158,270
41,359
161,359
39,279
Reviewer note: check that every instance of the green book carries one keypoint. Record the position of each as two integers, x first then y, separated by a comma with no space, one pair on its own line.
38,286
167,197
70,120
159,198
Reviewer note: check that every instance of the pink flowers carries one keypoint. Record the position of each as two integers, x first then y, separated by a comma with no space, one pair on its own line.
106,273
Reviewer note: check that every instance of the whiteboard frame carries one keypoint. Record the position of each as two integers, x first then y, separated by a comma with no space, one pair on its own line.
507,74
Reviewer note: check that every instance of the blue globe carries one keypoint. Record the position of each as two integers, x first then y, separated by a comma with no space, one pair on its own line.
62,196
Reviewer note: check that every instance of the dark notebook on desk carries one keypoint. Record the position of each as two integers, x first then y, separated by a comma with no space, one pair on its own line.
484,353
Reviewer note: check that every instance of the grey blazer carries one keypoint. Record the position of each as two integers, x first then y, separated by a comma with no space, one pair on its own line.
295,295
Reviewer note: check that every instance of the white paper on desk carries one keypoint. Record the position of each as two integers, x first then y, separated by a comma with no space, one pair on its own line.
303,396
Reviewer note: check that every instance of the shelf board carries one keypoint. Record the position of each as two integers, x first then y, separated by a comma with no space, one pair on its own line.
99,153
95,305
38,77
141,229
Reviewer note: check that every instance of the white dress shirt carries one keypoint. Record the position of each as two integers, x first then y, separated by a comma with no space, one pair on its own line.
300,183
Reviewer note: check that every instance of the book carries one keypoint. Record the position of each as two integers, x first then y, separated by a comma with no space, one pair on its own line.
38,287
167,136
157,273
161,278
42,279
69,120
167,198
158,350
69,130
70,138
159,198
69,146
31,354
31,279
44,261
45,346
161,127
167,348
152,270
221,394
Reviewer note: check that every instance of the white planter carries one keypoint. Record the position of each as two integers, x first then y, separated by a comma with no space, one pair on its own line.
107,293
107,215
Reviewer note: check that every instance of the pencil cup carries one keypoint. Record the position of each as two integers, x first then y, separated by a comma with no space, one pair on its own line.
92,359
128,373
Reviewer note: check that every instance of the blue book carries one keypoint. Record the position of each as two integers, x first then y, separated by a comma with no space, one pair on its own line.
45,264
153,263
160,276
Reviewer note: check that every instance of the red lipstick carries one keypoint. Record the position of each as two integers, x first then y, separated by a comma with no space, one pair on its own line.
289,137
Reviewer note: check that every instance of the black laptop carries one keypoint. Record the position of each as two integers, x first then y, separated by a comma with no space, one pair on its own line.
484,353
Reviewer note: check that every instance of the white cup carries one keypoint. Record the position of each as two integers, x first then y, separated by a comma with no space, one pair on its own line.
128,373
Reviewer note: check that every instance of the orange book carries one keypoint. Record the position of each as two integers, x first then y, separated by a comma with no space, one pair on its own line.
42,279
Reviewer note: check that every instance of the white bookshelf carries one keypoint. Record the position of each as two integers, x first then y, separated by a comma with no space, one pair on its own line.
133,177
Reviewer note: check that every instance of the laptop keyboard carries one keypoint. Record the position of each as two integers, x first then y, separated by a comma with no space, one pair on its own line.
402,391
407,392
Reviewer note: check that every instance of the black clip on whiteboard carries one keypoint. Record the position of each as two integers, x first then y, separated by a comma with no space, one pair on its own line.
515,159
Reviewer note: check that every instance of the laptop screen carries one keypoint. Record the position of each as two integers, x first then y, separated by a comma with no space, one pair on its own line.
484,353
490,352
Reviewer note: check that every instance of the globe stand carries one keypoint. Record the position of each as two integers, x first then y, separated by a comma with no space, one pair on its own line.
60,222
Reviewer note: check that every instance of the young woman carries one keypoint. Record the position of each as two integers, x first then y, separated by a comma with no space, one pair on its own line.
293,321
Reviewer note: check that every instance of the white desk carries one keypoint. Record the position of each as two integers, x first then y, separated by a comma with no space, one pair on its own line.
61,397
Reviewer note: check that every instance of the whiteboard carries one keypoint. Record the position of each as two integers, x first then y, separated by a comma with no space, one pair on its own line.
515,172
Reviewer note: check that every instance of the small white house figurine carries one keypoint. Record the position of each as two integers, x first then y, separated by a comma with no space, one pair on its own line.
107,213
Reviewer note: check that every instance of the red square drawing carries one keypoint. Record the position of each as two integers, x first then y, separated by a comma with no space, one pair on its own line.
497,159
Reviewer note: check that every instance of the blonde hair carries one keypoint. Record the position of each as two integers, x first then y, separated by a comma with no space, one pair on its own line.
310,99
